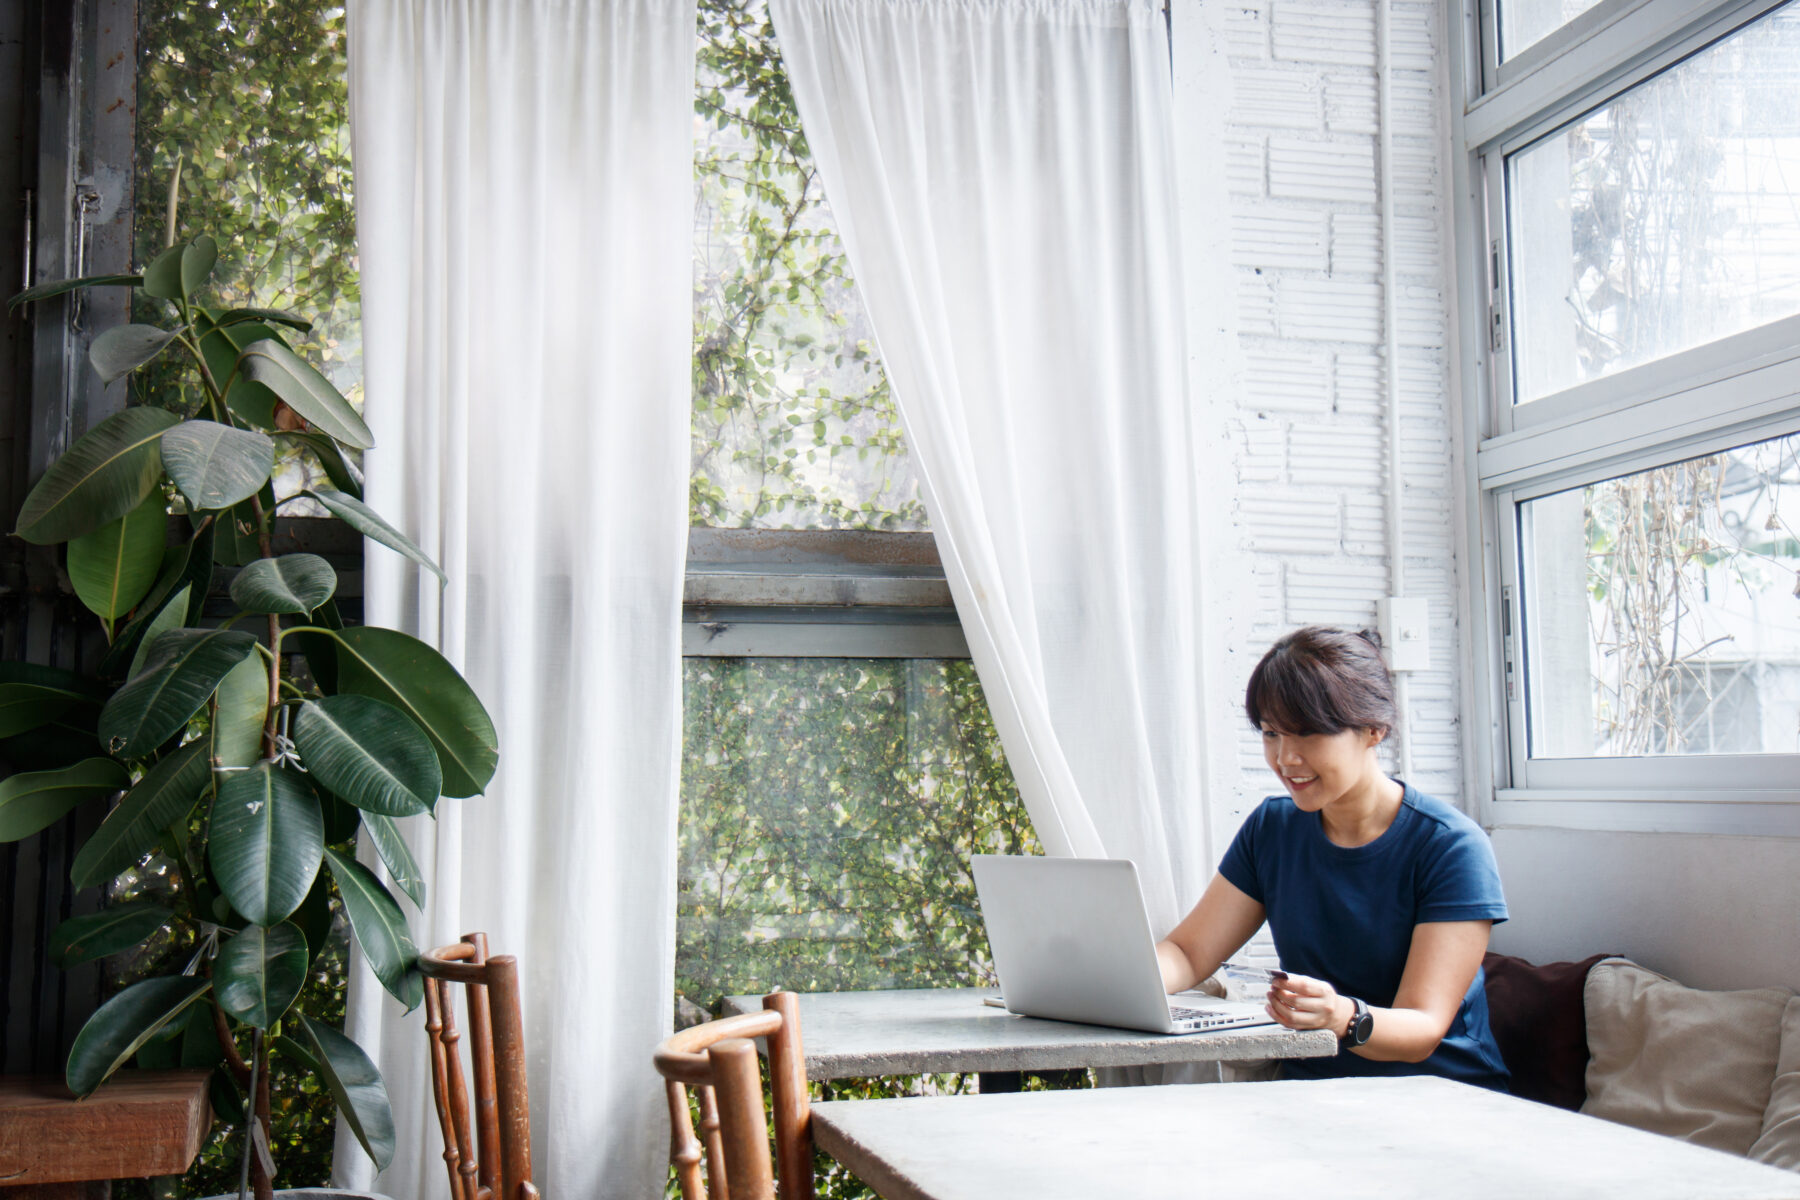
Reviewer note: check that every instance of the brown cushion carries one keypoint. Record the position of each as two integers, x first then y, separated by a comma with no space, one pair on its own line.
1680,1061
1779,1143
1540,1025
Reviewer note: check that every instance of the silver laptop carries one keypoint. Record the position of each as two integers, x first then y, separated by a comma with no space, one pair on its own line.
1072,942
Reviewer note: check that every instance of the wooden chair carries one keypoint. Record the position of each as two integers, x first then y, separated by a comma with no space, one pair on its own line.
718,1059
487,1148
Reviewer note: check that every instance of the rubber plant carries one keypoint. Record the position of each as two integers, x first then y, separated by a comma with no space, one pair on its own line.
218,753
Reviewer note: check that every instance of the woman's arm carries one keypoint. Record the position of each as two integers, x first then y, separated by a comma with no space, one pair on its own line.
1222,921
1440,965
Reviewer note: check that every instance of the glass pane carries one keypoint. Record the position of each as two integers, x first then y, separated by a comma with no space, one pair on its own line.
243,110
1664,219
1663,609
1524,23
829,808
794,426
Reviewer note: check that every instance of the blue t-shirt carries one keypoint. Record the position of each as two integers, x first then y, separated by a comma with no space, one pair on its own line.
1346,915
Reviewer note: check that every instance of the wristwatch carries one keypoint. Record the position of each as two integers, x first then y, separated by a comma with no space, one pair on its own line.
1361,1025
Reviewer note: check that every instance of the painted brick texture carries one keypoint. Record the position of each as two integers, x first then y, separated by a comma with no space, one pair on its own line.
1307,435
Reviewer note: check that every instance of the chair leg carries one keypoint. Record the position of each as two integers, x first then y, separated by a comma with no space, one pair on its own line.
738,1082
787,1088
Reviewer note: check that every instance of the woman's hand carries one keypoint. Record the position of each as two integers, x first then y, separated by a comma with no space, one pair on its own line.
1301,1002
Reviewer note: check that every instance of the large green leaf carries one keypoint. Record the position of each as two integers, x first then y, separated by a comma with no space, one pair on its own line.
109,931
114,1033
124,348
197,260
306,391
267,837
242,712
165,795
214,465
45,291
356,1086
34,800
331,457
370,753
384,835
184,565
59,678
369,523
162,278
293,583
280,316
259,972
33,695
420,682
380,928
183,668
104,475
113,567
172,615
25,706
314,916
220,346
237,537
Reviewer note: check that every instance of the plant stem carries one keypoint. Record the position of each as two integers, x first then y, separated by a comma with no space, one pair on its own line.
266,542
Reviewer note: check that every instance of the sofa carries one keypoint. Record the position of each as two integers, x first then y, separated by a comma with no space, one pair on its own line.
1613,1039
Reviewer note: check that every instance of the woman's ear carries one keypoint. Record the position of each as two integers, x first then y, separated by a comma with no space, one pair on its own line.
1374,737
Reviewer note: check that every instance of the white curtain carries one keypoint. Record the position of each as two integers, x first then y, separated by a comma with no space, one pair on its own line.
523,180
1003,175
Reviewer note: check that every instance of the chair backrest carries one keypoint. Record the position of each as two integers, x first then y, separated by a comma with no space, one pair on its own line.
719,1062
487,1147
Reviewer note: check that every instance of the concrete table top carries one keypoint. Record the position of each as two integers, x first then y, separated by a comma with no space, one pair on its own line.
928,1030
1383,1139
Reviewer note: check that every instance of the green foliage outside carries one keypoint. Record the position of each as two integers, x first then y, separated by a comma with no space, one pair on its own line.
794,425
829,808
243,112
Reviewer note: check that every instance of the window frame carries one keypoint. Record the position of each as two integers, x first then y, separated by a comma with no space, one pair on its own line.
814,593
1735,390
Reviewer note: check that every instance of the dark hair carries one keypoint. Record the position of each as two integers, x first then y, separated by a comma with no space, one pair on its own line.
1322,680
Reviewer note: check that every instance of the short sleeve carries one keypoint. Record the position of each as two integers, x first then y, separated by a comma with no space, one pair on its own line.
1461,882
1239,864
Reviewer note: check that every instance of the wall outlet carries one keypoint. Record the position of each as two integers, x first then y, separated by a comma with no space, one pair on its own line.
1405,628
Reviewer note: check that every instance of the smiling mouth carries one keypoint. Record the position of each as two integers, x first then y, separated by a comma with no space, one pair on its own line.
1298,781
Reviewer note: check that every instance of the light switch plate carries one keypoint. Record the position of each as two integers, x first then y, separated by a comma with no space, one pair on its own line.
1405,627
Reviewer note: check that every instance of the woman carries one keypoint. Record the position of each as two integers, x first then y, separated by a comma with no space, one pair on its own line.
1380,898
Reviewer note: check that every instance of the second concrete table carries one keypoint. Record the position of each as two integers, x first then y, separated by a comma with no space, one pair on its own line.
941,1030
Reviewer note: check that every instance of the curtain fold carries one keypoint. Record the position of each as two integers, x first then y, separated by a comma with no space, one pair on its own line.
523,179
1003,175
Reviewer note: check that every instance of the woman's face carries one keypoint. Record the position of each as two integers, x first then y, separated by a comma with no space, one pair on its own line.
1317,768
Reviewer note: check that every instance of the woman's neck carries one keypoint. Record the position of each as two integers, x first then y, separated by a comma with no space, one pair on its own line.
1363,813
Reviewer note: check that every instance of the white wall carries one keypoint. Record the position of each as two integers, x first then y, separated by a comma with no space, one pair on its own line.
1714,912
1285,317
1286,314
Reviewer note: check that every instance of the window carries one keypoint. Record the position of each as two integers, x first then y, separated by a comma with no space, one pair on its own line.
839,763
1630,233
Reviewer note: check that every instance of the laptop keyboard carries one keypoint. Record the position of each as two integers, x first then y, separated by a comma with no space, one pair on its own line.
1205,1017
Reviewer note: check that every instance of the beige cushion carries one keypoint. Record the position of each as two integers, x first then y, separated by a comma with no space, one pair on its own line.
1779,1145
1679,1061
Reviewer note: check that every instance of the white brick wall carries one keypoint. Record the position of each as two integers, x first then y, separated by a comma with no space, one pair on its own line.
1288,371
